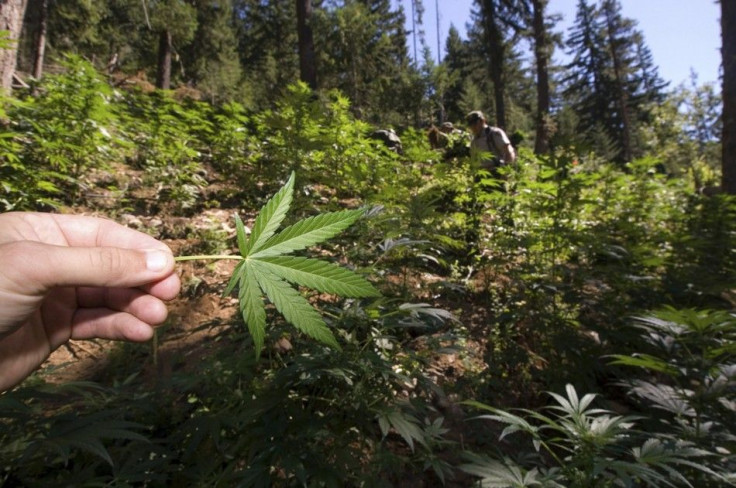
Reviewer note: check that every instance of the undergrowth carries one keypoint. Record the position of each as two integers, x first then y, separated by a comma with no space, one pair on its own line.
529,286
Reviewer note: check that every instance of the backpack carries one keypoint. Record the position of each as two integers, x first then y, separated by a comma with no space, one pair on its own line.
493,135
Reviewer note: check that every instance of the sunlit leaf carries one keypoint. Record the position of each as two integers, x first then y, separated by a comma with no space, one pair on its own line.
321,276
270,217
308,232
252,307
265,269
242,239
294,307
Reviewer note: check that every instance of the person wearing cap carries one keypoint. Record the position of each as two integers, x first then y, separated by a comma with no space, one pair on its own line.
488,139
448,128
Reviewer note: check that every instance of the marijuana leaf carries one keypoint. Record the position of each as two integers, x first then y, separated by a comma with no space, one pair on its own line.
265,269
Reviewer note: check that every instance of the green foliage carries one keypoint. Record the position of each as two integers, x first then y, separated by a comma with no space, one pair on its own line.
611,67
377,75
213,55
24,187
229,139
67,127
319,137
492,289
583,446
37,443
312,417
687,364
5,41
702,268
684,133
165,138
265,267
175,16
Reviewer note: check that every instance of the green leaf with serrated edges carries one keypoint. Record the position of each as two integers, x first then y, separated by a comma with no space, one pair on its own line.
294,307
270,217
308,232
265,269
233,279
252,307
316,274
242,239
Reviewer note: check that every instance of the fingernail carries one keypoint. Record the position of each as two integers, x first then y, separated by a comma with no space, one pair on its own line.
156,260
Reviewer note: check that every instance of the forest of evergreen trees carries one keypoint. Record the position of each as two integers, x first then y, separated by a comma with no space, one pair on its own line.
609,100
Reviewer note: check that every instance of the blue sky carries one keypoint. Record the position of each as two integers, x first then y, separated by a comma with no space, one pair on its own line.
683,35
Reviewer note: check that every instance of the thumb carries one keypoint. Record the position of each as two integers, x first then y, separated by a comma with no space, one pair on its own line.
46,266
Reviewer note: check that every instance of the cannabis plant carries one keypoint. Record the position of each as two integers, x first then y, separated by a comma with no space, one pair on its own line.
48,432
25,187
166,139
265,267
67,124
689,378
579,446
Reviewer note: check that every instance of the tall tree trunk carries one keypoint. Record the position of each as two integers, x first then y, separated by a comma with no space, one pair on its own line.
11,20
307,58
542,53
620,81
163,76
40,50
497,53
728,52
414,28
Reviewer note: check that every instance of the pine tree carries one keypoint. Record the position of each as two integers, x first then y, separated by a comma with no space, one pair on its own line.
456,62
417,23
586,81
129,45
364,54
543,48
307,58
612,82
212,61
728,51
349,39
398,91
500,19
649,85
173,21
72,26
619,31
477,78
267,40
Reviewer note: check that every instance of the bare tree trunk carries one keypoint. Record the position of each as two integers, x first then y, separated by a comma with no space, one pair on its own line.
40,40
542,52
11,20
163,76
622,99
307,58
728,52
497,52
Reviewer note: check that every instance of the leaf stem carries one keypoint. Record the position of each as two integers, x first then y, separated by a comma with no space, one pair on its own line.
208,257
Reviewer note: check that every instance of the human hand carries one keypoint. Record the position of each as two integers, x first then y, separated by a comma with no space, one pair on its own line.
72,277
